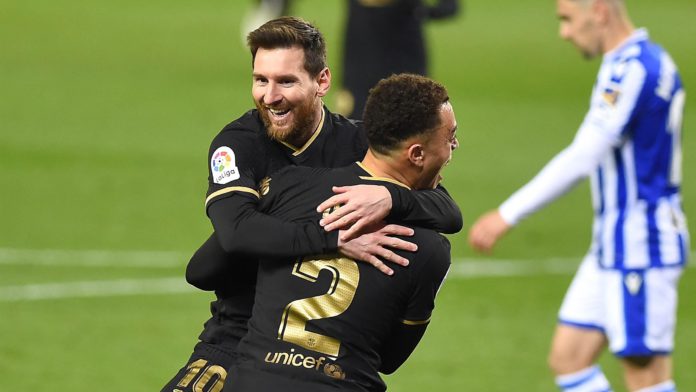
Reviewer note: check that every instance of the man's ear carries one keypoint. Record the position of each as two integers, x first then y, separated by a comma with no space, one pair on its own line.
324,82
601,9
416,154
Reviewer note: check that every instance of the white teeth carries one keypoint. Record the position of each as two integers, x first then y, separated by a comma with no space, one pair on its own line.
278,112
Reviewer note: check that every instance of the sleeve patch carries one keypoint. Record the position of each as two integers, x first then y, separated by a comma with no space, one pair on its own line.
610,96
223,166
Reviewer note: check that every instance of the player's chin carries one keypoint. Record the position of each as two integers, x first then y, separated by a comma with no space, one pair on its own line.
280,132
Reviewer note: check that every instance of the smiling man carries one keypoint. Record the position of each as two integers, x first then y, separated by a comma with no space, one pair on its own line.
290,126
325,322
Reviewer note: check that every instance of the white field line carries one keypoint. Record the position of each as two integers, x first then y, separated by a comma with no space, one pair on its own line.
91,289
462,268
93,258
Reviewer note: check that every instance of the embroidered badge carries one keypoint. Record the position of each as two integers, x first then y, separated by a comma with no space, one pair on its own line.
610,96
223,166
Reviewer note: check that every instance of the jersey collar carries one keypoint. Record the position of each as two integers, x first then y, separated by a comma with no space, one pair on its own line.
638,35
373,177
315,134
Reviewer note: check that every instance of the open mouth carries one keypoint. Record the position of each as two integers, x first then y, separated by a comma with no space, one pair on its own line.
278,114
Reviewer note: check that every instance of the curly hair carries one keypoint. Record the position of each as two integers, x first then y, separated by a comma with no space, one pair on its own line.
289,31
402,106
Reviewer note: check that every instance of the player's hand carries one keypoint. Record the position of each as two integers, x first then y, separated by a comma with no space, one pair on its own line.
361,206
375,246
487,230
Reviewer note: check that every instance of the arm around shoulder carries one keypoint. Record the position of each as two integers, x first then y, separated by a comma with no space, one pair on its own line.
431,208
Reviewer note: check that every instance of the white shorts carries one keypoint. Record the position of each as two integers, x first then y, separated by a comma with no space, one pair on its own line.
635,309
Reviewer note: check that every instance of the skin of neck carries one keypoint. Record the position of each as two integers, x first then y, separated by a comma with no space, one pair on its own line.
616,25
395,166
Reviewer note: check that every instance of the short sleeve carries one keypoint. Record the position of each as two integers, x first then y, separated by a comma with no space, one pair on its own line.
431,267
235,164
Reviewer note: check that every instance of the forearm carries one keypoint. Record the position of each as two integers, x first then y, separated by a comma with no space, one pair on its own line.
432,208
402,341
560,175
243,230
208,266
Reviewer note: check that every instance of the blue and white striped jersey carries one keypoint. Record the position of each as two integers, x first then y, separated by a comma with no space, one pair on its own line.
630,145
638,101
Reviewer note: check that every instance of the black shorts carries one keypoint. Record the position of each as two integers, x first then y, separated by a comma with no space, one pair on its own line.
205,371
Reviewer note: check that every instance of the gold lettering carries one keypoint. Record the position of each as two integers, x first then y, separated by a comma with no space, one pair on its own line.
275,356
309,362
285,360
296,356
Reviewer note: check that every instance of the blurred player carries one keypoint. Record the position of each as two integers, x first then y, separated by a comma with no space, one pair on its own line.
625,292
384,37
289,127
325,323
261,12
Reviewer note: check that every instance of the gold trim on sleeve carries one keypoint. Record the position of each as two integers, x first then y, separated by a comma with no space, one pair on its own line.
230,189
419,322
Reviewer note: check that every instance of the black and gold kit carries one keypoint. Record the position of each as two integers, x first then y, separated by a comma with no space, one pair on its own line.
241,158
326,322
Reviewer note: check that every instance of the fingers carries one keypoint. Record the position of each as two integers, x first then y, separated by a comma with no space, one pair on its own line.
397,230
335,221
397,243
480,240
349,234
332,201
377,263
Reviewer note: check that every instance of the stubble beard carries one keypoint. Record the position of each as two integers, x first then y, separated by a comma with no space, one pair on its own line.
296,133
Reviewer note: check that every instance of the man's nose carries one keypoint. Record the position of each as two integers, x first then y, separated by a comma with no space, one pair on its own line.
272,94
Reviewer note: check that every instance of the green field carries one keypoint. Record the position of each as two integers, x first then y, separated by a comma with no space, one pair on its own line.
106,113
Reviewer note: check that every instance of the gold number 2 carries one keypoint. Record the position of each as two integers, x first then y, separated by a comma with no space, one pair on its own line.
337,299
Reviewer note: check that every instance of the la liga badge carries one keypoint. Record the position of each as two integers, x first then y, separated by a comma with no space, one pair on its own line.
223,166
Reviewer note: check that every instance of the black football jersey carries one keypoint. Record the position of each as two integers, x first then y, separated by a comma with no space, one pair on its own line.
318,322
241,156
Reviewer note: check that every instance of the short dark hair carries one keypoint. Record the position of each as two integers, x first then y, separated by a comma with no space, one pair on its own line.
289,31
402,106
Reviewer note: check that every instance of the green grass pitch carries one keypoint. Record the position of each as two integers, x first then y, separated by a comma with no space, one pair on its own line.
106,112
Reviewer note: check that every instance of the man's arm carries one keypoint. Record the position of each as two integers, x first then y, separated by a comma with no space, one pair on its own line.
241,229
603,128
560,175
242,232
402,341
362,205
430,208
427,277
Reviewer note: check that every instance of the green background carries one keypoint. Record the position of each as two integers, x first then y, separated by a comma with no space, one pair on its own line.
106,112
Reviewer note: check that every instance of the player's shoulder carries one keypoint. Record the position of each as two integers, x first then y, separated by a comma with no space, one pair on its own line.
433,248
305,176
247,127
295,178
247,122
642,55
246,135
345,126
